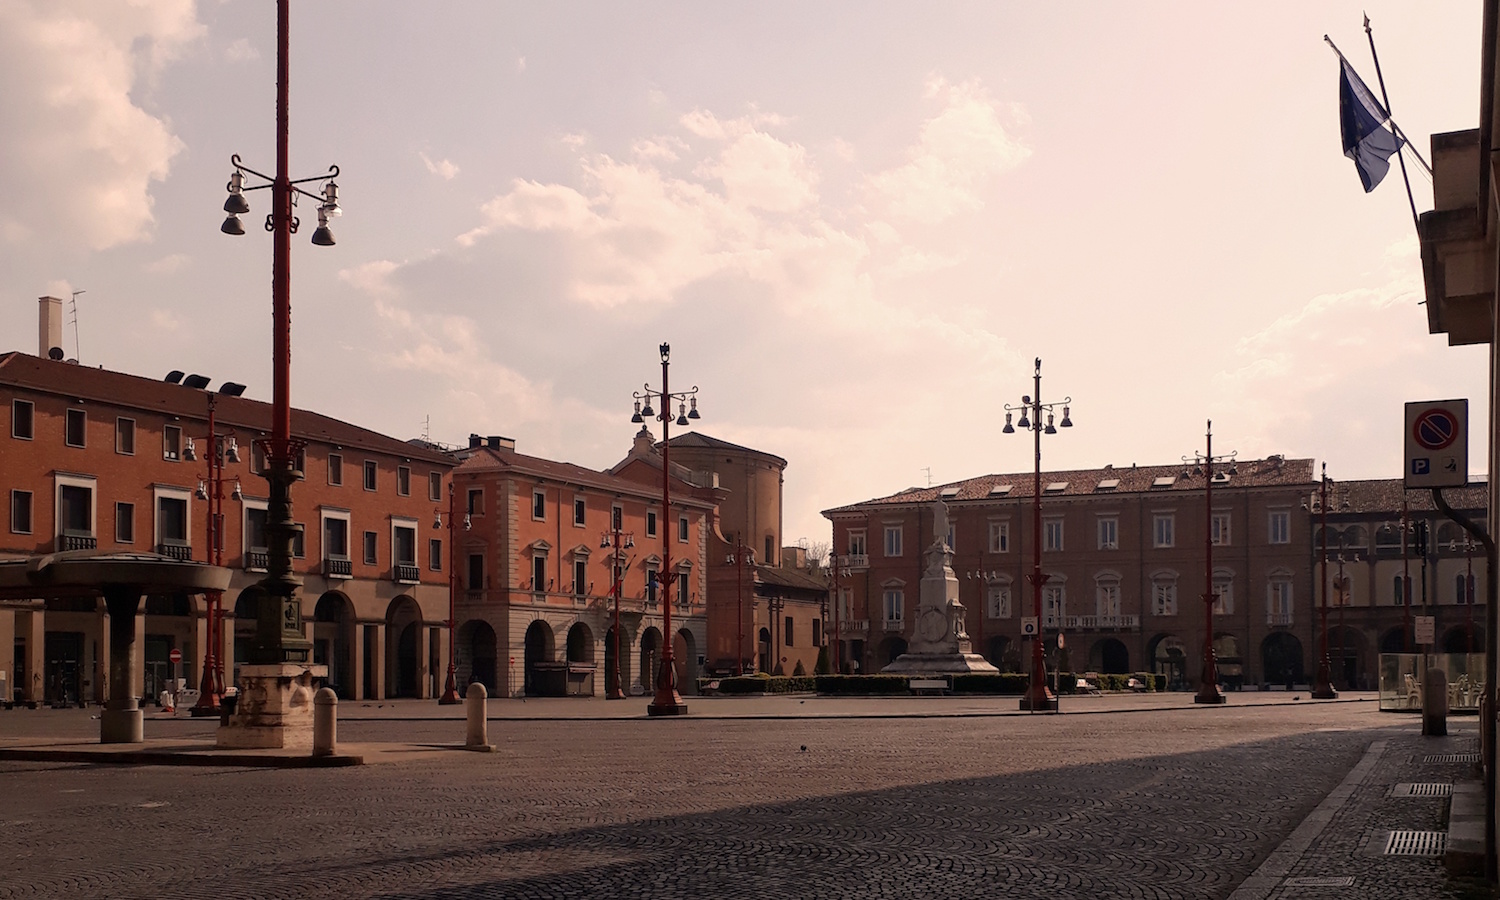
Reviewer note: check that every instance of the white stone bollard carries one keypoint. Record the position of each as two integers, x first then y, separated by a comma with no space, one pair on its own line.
477,707
325,722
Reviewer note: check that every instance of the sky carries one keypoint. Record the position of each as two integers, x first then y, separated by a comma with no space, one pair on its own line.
856,223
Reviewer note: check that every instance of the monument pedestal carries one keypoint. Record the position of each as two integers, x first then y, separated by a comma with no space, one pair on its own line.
274,709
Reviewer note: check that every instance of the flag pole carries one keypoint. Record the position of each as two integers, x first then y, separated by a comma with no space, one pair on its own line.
1394,126
1400,157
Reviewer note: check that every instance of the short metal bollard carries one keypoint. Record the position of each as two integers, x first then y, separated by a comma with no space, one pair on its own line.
325,722
1435,703
476,703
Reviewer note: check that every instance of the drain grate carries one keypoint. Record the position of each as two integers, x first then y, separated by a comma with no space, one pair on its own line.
1320,881
1416,843
1451,758
1431,789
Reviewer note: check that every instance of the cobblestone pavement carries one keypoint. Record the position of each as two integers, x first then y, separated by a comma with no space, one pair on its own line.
1182,803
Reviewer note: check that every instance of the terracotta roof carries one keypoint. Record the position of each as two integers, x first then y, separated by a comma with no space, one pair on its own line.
1385,495
699,439
1273,471
792,578
488,459
134,392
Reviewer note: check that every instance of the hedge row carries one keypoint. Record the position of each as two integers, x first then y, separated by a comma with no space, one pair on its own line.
1002,683
767,684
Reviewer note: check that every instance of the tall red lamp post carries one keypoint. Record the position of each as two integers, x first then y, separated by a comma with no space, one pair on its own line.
741,557
1208,689
666,701
615,689
450,687
1323,685
840,566
279,638
1037,696
222,448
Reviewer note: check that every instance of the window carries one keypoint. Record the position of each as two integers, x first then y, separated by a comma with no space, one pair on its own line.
895,604
1279,601
788,640
172,519
1162,527
1109,533
404,544
1054,604
651,584
1463,589
1219,528
403,481
475,503
1400,590
335,469
171,442
372,543
580,577
682,530
1052,535
1279,529
650,523
335,537
539,572
124,523
75,501
434,485
770,554
893,540
1223,594
21,414
370,470
476,571
951,538
580,508
997,601
683,595
75,427
616,517
539,505
1164,596
435,554
817,626
125,436
299,542
999,537
257,457
1107,598
857,543
20,512
255,529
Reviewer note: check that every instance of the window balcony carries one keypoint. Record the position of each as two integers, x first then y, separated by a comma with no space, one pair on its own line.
1104,623
854,626
894,624
77,542
857,561
257,560
176,550
1277,618
406,574
338,567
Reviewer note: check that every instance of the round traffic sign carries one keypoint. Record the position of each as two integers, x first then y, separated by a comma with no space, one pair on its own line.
1435,429
175,655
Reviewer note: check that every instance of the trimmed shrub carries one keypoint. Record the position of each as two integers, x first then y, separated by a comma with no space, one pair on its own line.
799,670
864,685
766,684
1009,683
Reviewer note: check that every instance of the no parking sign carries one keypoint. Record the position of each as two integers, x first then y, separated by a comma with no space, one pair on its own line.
1437,444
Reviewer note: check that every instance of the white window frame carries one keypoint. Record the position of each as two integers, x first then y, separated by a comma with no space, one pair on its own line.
538,502
653,523
369,474
336,467
15,495
171,449
1055,600
1164,593
893,606
1220,528
160,492
1280,598
858,542
403,481
15,406
1053,534
893,540
1279,526
398,522
684,529
83,435
124,425
1107,595
1223,588
246,506
999,536
434,486
87,482
580,511
130,539
1109,532
325,514
369,547
997,600
1163,530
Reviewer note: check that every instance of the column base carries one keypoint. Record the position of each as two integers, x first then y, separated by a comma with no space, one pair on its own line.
274,709
677,708
122,726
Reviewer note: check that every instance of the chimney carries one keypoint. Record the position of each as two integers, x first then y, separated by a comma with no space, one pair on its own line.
475,442
50,332
496,442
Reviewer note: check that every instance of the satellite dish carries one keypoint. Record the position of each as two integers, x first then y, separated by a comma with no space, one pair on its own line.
56,354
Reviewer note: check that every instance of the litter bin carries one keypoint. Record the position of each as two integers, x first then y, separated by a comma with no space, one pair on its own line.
226,706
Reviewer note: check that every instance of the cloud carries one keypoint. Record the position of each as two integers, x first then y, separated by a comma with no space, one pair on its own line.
960,151
520,64
80,152
759,171
241,51
167,265
443,169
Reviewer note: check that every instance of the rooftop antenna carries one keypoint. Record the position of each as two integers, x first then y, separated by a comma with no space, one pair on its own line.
426,429
77,353
928,470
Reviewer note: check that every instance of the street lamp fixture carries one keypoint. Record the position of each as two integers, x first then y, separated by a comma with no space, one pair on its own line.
741,557
450,687
666,701
615,689
840,567
279,637
1031,408
1208,689
1318,502
222,449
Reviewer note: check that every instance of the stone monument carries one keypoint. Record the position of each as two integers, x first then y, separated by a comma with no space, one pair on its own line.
939,642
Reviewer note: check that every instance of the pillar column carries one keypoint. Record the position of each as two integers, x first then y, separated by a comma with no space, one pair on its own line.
357,661
121,721
201,634
421,639
138,655
377,660
36,639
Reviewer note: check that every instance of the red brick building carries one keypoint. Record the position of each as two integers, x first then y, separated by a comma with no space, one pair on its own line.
103,461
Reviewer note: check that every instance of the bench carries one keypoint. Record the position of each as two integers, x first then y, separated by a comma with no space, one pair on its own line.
928,685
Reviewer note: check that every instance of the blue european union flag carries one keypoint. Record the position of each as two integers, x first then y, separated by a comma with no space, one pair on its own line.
1362,122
